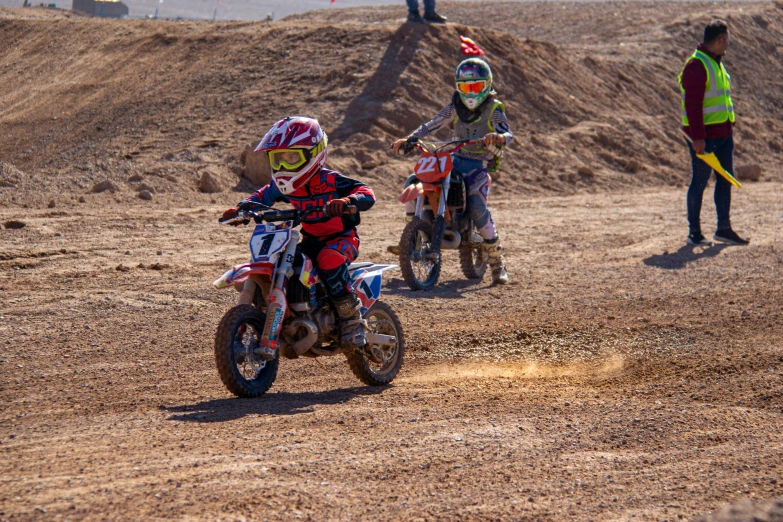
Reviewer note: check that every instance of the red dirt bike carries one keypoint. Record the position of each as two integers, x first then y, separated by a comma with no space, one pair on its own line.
292,314
441,220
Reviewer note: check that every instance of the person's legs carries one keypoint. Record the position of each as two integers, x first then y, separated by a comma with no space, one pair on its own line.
478,183
724,151
700,175
413,5
332,264
429,6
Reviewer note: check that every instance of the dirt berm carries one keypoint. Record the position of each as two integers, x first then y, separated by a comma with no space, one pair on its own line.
590,89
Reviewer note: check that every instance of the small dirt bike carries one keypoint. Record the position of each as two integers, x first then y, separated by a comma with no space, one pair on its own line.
441,220
292,314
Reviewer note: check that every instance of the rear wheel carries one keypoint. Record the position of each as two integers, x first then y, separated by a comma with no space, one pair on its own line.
239,333
420,255
379,365
472,259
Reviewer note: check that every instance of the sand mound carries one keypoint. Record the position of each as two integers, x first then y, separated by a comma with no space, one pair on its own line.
91,99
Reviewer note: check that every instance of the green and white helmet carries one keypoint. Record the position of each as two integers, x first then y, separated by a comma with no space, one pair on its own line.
474,82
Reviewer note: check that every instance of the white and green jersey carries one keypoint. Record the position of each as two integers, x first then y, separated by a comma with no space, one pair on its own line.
492,119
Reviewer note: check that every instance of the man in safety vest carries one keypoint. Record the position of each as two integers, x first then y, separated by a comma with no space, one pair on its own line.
708,117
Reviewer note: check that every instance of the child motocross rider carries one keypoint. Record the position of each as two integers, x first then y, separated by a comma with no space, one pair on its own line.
475,113
296,148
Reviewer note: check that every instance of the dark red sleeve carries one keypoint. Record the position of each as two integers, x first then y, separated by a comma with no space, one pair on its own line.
360,194
694,81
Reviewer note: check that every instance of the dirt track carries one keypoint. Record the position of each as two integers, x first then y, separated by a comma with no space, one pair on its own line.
611,379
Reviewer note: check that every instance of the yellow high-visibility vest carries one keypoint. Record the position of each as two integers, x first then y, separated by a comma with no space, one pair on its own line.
718,106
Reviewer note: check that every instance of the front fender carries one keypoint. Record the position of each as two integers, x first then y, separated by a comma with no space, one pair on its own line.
241,273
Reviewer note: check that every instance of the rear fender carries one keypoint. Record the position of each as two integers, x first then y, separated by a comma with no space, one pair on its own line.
241,273
366,282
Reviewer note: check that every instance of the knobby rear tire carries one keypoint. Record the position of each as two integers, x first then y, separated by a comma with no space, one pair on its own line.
358,361
467,260
225,355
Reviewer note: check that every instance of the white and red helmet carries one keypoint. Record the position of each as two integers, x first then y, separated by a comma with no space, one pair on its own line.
296,148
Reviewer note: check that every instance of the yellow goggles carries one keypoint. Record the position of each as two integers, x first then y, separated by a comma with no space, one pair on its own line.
474,87
288,159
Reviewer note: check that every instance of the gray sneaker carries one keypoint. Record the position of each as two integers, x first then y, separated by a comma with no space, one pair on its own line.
697,239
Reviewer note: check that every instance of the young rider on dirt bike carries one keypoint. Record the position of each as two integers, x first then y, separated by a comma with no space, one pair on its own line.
296,148
475,112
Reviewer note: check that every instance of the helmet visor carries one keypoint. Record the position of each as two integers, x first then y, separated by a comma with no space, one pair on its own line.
472,87
287,159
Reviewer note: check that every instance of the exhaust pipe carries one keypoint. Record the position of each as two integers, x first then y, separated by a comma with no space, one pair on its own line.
310,334
451,240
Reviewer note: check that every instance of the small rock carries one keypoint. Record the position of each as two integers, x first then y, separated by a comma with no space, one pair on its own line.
586,172
135,178
129,252
104,186
51,204
208,183
14,224
633,166
82,200
145,194
160,252
749,173
121,268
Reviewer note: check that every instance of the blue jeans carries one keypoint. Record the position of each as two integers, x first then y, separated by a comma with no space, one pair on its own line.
724,150
429,5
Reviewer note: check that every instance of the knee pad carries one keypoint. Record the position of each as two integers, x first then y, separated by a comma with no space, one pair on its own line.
336,280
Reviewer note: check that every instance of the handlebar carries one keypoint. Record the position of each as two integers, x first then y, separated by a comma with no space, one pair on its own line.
436,146
272,216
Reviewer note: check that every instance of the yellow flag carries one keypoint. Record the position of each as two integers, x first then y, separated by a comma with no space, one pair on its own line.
712,160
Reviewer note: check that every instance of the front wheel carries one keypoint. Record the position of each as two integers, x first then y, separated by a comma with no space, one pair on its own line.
378,365
419,259
238,335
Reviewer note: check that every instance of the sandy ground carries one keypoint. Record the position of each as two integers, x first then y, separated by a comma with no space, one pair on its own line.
621,376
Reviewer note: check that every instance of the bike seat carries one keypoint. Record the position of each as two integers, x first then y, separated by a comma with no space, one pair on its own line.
357,266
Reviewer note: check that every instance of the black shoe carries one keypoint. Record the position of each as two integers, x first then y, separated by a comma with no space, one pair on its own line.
730,237
415,18
698,239
435,18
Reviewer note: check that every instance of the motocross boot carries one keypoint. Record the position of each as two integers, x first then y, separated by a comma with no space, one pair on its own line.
351,325
496,262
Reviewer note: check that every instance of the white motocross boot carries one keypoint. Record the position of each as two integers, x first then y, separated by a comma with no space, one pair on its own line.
496,262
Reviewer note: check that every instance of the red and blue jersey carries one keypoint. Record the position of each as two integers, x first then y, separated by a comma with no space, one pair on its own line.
314,194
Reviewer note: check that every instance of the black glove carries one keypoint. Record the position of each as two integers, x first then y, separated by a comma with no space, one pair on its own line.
245,205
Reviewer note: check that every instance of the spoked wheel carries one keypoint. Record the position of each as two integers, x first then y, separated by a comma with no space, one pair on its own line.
419,261
472,259
376,364
239,333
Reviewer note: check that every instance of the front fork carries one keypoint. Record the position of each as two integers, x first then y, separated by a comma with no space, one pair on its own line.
277,302
439,224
